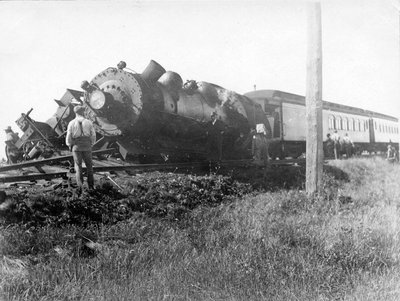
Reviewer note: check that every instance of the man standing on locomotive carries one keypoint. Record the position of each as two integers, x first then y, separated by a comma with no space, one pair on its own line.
80,138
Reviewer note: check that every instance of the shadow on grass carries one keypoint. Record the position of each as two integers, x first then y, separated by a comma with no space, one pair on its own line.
336,173
280,177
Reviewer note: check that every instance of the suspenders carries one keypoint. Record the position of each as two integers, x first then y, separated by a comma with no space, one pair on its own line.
81,140
81,128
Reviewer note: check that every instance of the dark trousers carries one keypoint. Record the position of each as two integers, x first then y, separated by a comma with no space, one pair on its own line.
85,156
337,150
348,149
215,147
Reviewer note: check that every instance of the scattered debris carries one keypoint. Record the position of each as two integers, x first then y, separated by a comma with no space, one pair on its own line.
166,195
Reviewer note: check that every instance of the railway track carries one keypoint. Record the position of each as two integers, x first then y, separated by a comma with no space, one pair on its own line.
112,166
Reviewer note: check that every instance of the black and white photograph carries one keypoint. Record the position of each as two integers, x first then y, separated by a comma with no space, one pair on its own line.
200,150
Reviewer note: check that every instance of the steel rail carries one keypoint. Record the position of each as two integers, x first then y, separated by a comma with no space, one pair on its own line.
157,166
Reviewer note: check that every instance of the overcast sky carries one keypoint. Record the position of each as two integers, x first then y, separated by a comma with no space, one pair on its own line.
49,46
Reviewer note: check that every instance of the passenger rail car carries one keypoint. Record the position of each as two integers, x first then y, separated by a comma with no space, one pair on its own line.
369,131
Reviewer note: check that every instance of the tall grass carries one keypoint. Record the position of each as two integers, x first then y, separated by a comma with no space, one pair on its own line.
342,244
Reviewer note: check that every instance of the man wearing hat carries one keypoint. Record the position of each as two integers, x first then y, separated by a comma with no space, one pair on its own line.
13,154
215,132
80,138
259,146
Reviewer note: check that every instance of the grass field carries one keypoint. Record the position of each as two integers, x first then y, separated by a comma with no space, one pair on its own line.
340,245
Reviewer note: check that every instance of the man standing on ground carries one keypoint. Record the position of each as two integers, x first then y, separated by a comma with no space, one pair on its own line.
337,146
13,154
215,132
80,138
391,154
348,145
329,146
259,146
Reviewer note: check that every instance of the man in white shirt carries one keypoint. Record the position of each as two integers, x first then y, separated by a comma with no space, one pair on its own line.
348,145
80,138
259,146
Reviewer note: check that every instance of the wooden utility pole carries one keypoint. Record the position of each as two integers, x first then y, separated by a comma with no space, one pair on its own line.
314,147
396,5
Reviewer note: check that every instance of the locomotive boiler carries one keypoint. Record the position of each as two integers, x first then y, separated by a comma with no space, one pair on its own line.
154,113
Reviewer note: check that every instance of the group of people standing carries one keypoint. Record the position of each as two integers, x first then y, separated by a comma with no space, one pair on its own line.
80,138
335,146
256,139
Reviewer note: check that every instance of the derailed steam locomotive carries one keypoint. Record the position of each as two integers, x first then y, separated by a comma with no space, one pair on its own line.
148,117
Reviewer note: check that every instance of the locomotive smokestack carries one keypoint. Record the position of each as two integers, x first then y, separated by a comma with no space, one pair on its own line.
153,72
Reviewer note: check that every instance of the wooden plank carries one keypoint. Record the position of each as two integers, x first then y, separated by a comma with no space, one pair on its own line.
34,177
36,163
40,169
